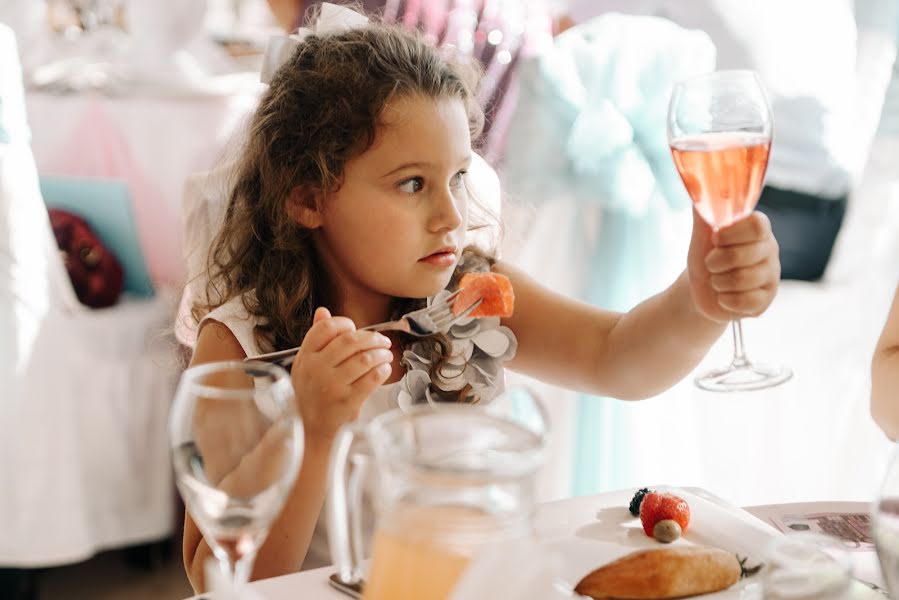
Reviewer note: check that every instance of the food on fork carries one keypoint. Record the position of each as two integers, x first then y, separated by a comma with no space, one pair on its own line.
655,507
494,291
663,573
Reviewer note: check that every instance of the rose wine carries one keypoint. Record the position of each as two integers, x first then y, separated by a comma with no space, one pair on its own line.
723,173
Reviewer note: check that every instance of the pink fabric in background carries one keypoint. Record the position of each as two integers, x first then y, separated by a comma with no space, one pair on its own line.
154,141
96,148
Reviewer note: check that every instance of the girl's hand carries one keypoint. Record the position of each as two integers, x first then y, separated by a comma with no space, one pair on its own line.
336,369
733,273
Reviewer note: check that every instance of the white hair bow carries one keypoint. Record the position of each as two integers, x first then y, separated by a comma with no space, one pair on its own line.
333,18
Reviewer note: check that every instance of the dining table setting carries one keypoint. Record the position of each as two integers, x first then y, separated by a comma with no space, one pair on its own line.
574,536
456,517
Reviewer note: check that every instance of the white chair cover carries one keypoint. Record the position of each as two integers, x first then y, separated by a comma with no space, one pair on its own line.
83,394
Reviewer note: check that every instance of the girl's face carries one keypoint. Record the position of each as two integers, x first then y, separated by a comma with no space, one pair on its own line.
396,227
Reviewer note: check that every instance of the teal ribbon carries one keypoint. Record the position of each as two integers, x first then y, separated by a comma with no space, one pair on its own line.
626,257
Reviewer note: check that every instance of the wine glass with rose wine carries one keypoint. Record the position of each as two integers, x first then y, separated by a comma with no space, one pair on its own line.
719,130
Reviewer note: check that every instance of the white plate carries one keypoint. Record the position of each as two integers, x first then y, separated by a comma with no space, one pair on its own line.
593,531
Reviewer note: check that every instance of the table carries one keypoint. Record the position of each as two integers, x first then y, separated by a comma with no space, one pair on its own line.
562,518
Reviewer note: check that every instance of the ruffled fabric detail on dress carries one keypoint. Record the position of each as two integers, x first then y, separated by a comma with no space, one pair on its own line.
473,370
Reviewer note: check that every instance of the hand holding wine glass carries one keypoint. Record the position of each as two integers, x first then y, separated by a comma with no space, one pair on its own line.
719,129
733,271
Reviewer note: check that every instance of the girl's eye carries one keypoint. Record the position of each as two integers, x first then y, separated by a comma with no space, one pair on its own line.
412,185
458,180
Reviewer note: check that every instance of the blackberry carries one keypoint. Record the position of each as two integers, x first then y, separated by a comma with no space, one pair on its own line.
637,500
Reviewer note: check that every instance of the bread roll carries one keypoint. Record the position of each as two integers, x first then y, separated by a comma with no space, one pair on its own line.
662,573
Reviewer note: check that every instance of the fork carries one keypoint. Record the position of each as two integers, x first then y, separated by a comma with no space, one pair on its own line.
438,317
353,590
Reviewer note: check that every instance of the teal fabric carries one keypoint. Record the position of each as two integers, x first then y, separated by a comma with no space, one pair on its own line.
624,242
591,114
590,125
106,206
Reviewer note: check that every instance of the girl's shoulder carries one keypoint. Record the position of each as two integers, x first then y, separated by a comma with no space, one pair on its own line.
234,315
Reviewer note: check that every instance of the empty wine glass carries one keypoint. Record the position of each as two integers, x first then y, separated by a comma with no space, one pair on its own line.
237,445
719,130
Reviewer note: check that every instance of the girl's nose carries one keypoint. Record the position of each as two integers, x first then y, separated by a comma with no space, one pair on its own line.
449,208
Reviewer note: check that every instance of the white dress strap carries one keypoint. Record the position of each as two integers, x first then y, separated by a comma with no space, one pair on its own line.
233,315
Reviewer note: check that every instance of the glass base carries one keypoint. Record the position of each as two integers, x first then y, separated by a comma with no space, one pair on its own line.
743,378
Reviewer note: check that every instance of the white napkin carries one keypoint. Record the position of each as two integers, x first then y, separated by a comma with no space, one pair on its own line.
802,572
520,569
731,529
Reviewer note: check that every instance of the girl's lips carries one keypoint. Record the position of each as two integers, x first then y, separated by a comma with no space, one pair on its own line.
440,259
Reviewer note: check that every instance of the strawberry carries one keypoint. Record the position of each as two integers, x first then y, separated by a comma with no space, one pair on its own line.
658,506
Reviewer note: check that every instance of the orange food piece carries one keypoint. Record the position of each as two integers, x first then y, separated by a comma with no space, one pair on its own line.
493,289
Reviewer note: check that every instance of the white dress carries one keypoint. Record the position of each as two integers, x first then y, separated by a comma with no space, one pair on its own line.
480,346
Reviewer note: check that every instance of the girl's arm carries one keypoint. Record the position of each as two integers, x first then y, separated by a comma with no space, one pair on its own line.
288,541
629,356
885,375
731,273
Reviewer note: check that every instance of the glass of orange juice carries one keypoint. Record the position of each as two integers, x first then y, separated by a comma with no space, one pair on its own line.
450,479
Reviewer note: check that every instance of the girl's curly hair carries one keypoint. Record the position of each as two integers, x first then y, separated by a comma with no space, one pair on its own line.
321,110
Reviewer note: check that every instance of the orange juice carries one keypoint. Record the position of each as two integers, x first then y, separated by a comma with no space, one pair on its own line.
421,555
412,569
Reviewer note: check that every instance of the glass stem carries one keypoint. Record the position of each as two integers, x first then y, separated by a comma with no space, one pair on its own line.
740,359
243,568
238,570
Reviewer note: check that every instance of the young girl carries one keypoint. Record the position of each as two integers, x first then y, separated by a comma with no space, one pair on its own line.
350,207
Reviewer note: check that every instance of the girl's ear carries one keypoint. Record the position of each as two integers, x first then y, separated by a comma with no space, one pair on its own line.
302,207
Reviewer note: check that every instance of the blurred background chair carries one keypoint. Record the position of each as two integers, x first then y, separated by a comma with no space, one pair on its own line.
83,461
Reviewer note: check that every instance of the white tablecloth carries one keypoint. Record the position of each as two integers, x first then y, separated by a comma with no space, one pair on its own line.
154,142
555,520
